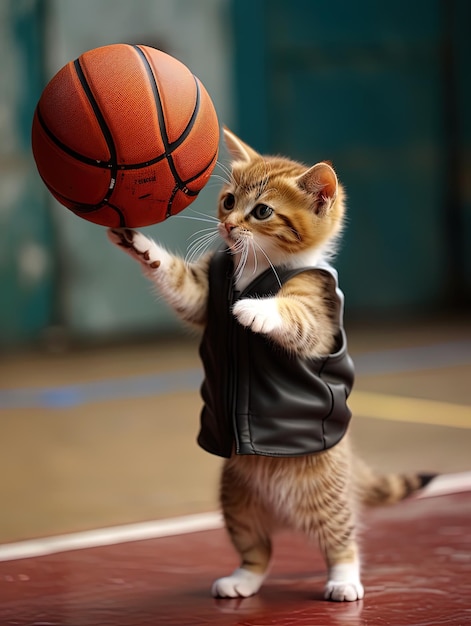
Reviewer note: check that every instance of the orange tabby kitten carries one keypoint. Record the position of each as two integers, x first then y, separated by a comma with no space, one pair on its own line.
277,371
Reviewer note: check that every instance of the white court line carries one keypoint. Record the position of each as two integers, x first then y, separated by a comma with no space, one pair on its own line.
442,485
445,484
110,536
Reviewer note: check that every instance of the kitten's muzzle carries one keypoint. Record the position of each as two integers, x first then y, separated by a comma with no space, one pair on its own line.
229,227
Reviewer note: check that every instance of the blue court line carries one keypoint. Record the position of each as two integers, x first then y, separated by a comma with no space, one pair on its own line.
99,391
398,360
393,361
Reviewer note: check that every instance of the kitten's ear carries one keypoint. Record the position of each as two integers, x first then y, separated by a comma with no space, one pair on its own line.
239,150
320,181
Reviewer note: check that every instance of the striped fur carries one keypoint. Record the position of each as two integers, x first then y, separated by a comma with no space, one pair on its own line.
274,211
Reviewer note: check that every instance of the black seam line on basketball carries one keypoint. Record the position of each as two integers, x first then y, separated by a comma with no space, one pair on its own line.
103,126
69,151
188,192
179,181
185,189
155,91
87,160
96,109
122,218
82,207
85,209
170,201
169,147
191,121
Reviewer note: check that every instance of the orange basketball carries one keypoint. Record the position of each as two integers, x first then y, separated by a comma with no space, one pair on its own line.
125,136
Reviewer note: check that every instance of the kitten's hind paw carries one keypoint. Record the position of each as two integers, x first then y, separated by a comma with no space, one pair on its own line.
343,592
240,584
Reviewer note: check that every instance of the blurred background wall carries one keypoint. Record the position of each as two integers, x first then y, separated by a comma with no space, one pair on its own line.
380,89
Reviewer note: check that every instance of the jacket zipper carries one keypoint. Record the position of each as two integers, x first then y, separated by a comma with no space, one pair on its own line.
232,383
232,348
232,296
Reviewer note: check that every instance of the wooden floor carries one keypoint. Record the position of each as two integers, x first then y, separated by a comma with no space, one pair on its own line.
103,437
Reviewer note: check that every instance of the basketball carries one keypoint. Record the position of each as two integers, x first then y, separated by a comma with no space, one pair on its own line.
125,136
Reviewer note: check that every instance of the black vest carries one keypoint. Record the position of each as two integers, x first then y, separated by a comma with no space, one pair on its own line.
259,398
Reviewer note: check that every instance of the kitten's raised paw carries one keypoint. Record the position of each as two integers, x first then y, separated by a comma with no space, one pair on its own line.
240,584
343,592
260,315
136,245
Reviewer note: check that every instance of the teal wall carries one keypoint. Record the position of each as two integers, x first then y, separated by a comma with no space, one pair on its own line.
382,90
102,293
27,275
60,277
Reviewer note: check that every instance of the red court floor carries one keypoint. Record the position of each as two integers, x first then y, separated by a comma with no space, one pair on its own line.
103,438
417,572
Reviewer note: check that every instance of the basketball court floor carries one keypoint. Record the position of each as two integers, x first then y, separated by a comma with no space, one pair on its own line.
109,509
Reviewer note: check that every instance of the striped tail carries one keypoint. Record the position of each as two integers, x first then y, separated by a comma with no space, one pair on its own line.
378,489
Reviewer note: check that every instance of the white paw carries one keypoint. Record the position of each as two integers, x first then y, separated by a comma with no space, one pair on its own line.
260,315
138,246
344,583
240,584
344,592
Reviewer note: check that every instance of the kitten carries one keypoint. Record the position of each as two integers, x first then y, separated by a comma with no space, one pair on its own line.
277,371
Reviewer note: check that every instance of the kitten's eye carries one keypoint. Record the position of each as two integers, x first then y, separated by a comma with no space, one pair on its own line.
229,202
262,212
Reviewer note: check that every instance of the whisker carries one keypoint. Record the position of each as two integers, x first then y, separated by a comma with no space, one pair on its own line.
242,261
211,217
255,259
221,178
201,233
238,247
269,262
199,247
226,170
197,219
193,256
202,238
215,180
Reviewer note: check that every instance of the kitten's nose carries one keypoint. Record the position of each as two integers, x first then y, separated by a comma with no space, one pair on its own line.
229,227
